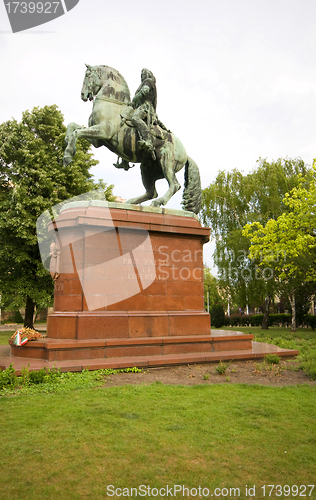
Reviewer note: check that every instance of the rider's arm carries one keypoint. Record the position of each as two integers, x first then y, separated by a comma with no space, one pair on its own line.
142,92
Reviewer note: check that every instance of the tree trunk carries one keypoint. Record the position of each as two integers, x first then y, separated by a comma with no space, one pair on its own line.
293,307
29,312
266,308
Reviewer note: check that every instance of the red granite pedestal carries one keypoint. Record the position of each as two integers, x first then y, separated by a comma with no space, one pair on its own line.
129,274
129,291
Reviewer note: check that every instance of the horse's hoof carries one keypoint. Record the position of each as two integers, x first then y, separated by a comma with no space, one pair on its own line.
156,204
67,159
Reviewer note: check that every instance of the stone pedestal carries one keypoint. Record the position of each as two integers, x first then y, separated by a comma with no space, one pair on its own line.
126,273
128,292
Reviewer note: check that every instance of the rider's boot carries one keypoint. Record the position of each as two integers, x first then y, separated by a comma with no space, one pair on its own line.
148,147
145,141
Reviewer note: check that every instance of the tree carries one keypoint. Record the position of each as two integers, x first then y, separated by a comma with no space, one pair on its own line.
289,242
211,290
32,180
232,201
303,300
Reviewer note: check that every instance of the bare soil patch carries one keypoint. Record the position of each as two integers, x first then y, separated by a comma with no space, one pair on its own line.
238,372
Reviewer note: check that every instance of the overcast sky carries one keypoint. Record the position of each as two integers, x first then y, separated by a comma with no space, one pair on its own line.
236,79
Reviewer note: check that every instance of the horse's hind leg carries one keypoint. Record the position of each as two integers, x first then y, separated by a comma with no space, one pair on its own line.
168,169
149,183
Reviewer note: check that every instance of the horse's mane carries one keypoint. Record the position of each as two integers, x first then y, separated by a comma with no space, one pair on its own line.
115,82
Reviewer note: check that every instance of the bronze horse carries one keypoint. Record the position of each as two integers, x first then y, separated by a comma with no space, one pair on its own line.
109,126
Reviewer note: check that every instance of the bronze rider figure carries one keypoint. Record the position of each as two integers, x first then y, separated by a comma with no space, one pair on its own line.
145,103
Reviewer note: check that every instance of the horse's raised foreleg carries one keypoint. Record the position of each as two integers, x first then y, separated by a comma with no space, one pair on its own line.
149,183
168,168
70,140
74,132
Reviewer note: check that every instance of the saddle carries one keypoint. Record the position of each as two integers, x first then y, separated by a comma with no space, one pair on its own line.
155,127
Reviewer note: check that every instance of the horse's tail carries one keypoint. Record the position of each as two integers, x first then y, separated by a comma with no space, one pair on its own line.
192,194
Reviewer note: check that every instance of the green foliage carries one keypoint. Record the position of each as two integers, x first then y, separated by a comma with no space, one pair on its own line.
234,200
37,377
303,295
18,317
32,180
8,377
256,319
206,376
282,320
279,319
222,367
291,236
52,380
303,340
217,316
211,286
307,358
242,320
310,320
309,367
272,359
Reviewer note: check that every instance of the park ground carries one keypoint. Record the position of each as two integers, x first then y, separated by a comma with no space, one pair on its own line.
189,426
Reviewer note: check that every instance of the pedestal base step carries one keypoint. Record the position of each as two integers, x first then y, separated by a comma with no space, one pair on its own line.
258,350
61,350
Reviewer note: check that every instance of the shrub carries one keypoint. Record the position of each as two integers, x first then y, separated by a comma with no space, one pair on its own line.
8,377
283,320
217,316
280,319
272,359
18,317
54,378
309,368
310,320
244,320
222,367
256,319
38,377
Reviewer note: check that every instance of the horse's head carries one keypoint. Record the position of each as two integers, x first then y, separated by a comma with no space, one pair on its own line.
91,84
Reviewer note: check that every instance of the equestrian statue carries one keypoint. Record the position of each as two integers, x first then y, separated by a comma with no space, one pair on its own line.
133,131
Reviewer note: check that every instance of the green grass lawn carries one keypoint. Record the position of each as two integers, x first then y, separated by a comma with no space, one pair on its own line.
303,340
73,444
275,333
70,439
4,337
